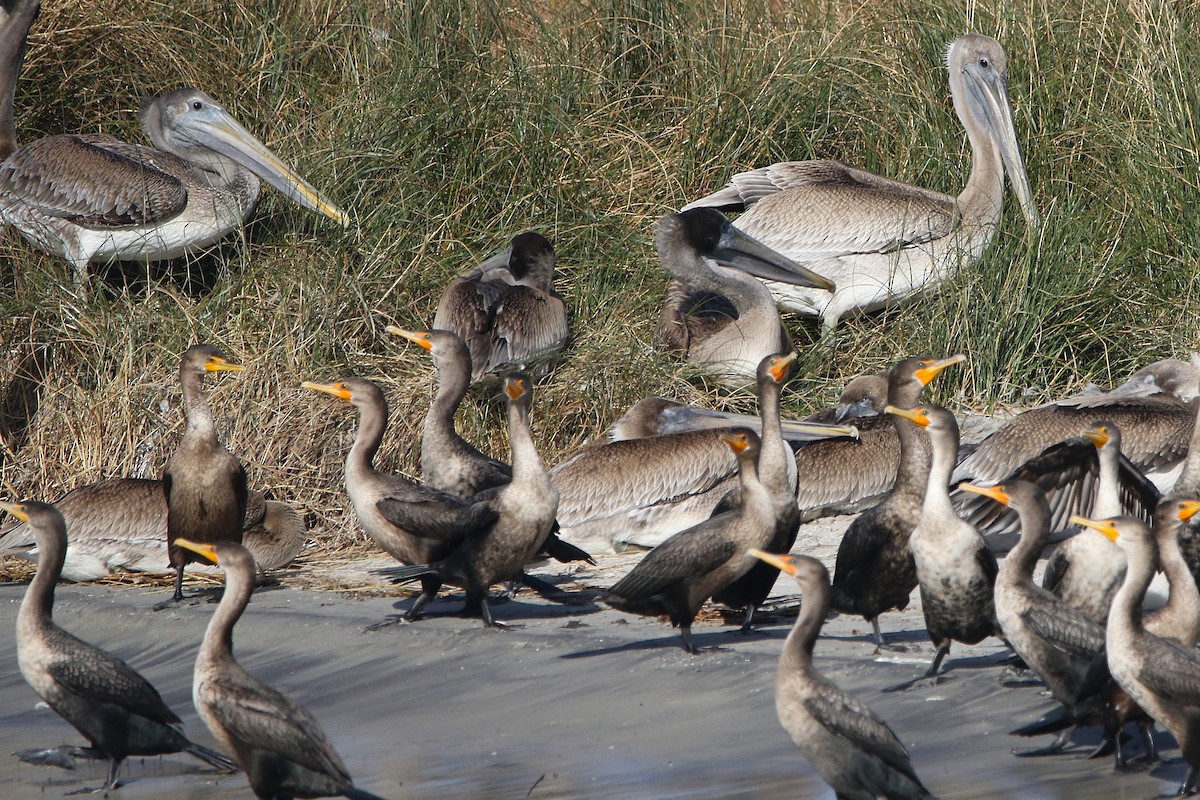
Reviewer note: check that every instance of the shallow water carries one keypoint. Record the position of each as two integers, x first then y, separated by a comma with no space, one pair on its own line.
578,703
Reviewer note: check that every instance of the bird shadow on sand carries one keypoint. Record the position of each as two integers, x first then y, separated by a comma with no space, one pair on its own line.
705,642
512,610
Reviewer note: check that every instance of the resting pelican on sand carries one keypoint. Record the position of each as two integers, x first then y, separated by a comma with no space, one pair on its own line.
878,239
92,197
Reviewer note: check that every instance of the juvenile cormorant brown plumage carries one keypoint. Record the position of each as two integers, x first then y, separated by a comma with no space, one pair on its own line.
104,698
675,578
874,571
851,747
203,482
955,569
277,742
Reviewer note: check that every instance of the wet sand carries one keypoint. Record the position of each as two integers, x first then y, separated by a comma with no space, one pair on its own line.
574,702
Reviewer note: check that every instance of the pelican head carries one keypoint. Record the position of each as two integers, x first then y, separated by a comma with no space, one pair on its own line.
712,238
979,85
190,124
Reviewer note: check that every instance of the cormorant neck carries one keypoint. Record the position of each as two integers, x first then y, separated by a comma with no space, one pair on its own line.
218,637
798,647
372,422
776,464
1181,614
195,405
38,605
526,462
944,443
1139,571
1035,524
454,378
914,444
1108,493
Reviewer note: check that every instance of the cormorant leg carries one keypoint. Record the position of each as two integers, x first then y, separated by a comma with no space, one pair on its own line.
430,584
689,646
1188,787
485,611
1151,754
746,628
1054,748
114,767
930,676
175,598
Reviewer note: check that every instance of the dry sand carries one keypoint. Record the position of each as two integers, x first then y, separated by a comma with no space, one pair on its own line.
574,702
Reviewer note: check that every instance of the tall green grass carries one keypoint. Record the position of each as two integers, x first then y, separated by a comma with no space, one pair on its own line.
447,126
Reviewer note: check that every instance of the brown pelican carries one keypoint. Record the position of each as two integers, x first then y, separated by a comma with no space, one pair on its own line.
677,577
1162,676
955,569
277,742
715,313
120,525
92,197
640,491
516,520
851,747
507,312
874,571
1155,410
878,239
1055,640
104,698
204,484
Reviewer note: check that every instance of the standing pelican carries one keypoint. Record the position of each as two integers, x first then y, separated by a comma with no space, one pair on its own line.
852,748
878,239
277,742
106,700
715,313
507,312
92,197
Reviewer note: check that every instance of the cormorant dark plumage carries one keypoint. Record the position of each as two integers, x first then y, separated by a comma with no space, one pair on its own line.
955,569
203,482
277,742
1056,641
851,747
1162,676
519,516
777,472
874,571
105,699
675,578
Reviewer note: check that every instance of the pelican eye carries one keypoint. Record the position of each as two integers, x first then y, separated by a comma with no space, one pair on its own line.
983,62
197,105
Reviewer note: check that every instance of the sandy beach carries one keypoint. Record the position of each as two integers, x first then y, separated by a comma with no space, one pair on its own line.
573,702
